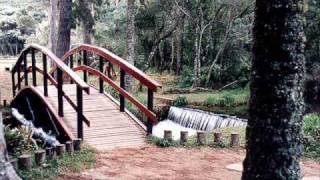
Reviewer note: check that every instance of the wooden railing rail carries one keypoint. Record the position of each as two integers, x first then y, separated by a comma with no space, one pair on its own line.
122,91
125,68
22,66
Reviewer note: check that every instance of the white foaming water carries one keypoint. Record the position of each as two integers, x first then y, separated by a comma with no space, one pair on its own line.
38,132
191,120
158,130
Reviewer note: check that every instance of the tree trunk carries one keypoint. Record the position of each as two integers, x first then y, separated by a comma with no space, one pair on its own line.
64,27
274,132
87,20
161,53
197,65
173,52
6,170
179,37
130,39
53,25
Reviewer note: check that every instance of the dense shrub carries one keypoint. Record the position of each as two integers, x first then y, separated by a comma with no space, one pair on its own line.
19,140
180,101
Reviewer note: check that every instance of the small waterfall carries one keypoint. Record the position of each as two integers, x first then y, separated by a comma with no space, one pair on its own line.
202,120
191,120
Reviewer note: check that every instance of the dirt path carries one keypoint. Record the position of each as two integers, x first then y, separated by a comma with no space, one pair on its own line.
5,86
172,163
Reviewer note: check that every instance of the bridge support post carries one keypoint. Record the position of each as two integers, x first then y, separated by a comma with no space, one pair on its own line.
150,107
123,86
80,112
60,92
85,62
45,75
19,78
71,66
25,63
101,70
34,72
13,83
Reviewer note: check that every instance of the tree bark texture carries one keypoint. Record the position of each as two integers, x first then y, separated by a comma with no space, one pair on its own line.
197,63
53,25
64,27
7,172
179,39
130,39
87,20
274,132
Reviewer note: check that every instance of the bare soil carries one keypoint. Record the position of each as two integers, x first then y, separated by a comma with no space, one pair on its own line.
5,86
172,163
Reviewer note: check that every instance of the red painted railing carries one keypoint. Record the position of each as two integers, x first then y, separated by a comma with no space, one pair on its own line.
125,68
21,66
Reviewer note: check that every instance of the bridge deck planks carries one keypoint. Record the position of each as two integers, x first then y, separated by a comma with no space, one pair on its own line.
109,128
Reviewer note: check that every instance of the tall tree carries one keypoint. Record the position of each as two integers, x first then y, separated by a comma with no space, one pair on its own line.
179,39
64,27
130,38
274,132
53,25
87,20
6,170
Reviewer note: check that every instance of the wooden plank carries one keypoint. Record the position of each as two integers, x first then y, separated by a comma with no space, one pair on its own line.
110,128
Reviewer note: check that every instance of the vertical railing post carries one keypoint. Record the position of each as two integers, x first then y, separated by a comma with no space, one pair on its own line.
71,66
80,112
13,83
150,107
25,67
19,76
101,70
122,85
60,92
34,72
45,75
85,62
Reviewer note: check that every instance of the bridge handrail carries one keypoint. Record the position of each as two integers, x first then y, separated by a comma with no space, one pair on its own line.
122,91
62,69
125,68
114,59
60,64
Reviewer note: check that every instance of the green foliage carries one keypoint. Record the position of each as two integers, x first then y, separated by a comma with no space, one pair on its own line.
19,140
112,92
220,145
227,98
180,101
311,127
61,165
186,78
162,142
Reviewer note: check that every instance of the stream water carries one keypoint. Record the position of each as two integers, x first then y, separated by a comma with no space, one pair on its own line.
192,120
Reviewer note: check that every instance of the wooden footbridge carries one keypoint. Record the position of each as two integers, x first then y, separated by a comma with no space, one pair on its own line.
84,111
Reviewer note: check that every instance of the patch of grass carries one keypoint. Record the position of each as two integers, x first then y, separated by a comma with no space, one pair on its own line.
232,97
65,164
